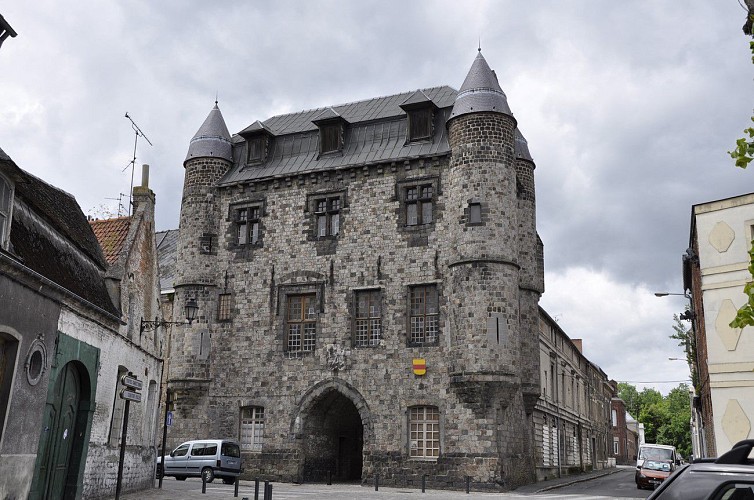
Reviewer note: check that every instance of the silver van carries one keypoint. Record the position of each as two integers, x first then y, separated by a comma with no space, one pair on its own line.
205,458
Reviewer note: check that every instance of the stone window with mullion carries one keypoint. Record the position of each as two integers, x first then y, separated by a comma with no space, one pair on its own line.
301,323
424,432
424,315
419,204
327,214
248,221
252,428
367,324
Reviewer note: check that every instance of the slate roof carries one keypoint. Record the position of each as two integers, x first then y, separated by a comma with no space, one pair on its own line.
212,138
374,131
167,252
376,134
480,91
111,234
49,249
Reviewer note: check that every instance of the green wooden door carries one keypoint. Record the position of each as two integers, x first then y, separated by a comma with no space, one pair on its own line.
59,426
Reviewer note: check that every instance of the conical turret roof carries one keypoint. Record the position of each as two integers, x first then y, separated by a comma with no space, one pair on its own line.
480,91
212,139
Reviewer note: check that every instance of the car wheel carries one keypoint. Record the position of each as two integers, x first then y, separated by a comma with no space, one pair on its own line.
208,475
180,478
158,473
229,480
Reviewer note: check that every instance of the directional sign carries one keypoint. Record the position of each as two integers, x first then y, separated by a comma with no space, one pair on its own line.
169,419
131,382
130,395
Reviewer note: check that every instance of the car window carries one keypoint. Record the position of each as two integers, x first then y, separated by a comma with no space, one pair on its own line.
230,450
736,491
198,450
181,450
210,450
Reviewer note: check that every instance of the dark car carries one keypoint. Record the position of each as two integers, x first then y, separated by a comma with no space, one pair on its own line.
729,477
652,473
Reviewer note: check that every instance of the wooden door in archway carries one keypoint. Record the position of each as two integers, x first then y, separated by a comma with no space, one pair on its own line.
60,433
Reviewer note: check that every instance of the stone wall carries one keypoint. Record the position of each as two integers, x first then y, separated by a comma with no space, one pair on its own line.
474,369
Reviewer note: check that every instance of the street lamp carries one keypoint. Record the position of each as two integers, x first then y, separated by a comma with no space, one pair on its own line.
190,309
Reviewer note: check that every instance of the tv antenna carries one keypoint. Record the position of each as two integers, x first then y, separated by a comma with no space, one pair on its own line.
120,202
138,133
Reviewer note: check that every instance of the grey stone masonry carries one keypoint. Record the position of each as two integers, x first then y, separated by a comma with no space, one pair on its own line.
375,319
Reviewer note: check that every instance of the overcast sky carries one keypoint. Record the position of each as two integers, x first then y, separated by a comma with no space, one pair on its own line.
628,107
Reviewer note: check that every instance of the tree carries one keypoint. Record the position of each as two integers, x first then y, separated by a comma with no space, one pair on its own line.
630,396
686,339
666,419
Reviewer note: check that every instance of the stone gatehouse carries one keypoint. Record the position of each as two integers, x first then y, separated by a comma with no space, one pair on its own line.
368,278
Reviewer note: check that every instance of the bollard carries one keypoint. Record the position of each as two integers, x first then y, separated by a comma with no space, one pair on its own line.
376,482
235,492
329,478
256,489
468,483
424,482
266,487
204,485
270,497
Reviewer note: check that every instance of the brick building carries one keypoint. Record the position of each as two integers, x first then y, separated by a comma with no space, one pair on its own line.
368,278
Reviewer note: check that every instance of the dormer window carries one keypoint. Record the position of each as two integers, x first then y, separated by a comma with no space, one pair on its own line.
6,202
332,129
420,113
257,149
419,124
330,138
258,138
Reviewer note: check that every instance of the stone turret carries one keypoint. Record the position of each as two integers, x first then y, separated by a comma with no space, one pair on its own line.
484,264
209,157
494,281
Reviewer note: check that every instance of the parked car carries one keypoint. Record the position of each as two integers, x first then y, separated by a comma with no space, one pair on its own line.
728,477
654,463
205,458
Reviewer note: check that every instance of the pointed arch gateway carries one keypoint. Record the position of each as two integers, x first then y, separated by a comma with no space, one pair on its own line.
332,425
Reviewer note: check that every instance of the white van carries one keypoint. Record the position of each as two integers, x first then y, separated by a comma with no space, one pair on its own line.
658,452
205,458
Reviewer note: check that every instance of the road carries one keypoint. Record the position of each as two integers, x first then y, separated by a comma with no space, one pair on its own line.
617,485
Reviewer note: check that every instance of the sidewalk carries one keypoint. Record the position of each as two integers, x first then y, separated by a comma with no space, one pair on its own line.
191,489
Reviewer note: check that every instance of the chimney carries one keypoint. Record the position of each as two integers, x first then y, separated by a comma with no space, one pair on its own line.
579,344
142,195
145,175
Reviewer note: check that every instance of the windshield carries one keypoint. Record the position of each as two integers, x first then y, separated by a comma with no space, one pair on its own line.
659,454
654,465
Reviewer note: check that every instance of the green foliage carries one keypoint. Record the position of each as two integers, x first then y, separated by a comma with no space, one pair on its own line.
744,150
630,396
666,419
686,339
745,315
